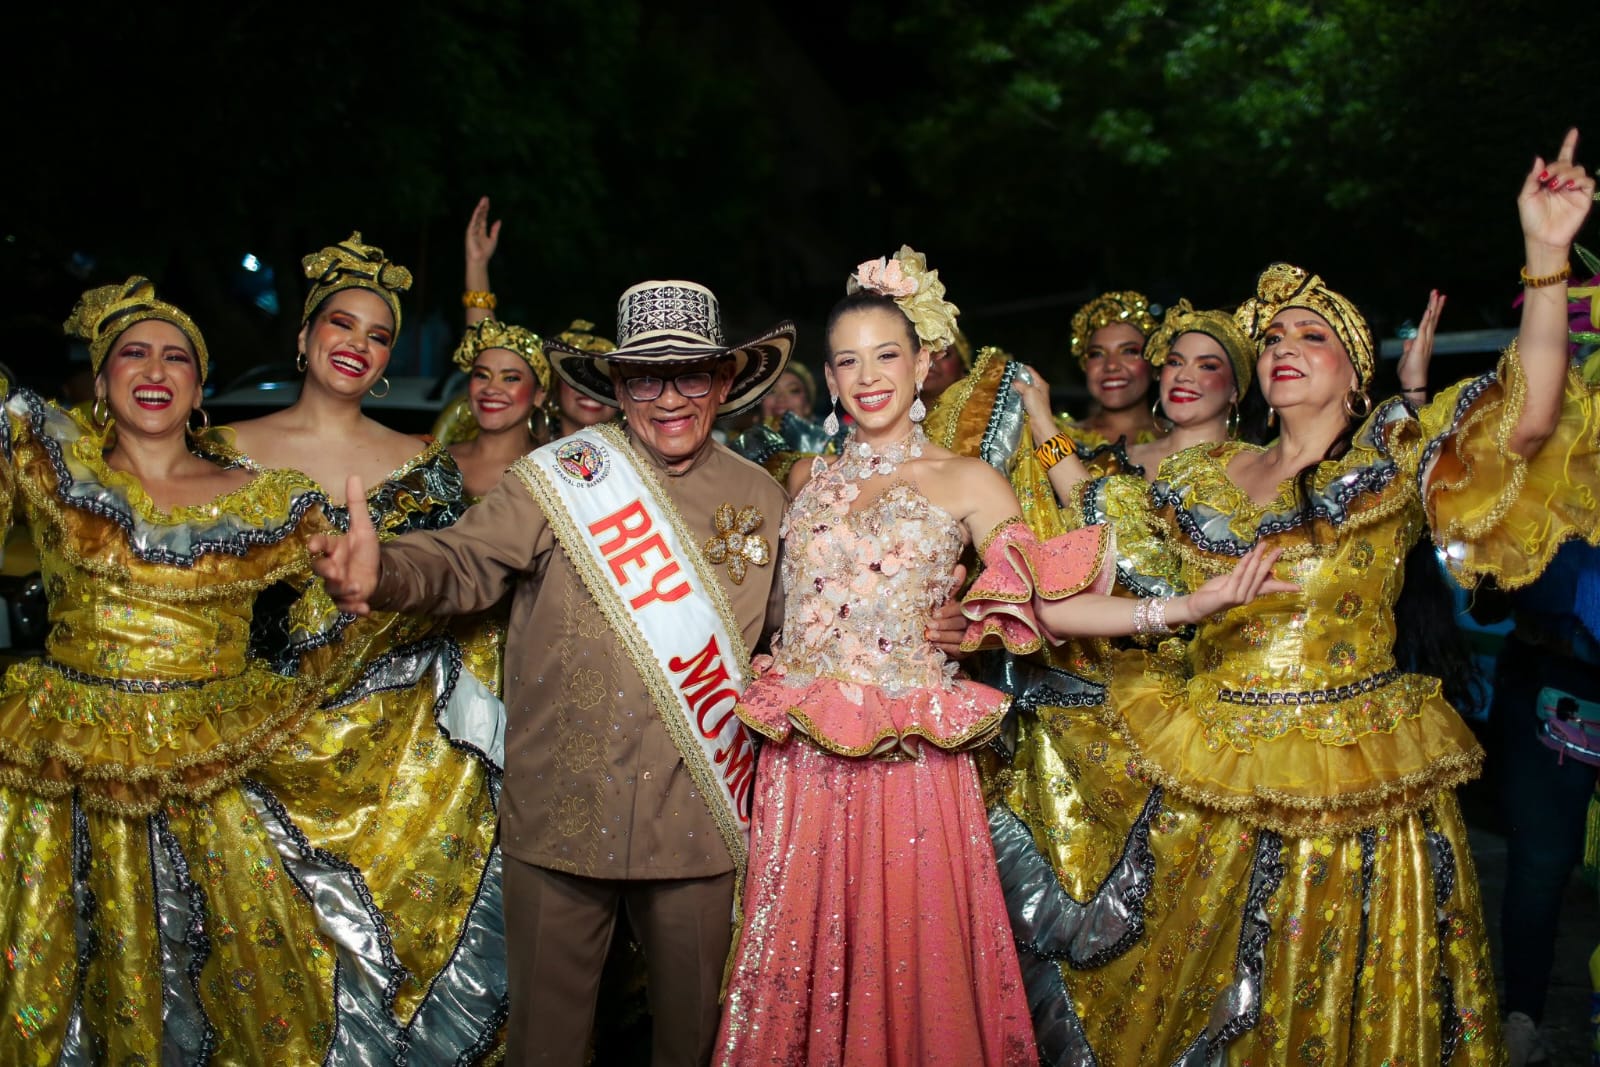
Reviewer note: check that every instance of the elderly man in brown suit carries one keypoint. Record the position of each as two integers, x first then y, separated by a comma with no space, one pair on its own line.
642,567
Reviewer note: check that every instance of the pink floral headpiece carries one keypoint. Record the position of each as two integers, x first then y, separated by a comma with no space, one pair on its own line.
918,291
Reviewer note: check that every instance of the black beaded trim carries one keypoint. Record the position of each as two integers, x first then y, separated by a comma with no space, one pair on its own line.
123,685
491,1023
1469,396
1136,854
1272,698
84,906
194,933
1369,856
997,417
424,649
397,972
1117,448
239,544
1255,929
1442,858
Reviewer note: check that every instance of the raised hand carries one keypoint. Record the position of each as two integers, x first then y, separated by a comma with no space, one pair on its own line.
1251,578
348,565
1555,199
482,238
1417,352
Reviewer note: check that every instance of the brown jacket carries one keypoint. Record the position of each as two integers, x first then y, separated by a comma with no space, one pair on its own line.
594,784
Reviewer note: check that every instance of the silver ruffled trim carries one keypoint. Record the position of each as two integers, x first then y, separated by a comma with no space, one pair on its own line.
78,1044
176,544
1003,433
1238,1007
187,1036
1128,574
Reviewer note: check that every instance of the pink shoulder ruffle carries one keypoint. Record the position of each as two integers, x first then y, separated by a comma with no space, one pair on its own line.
861,720
1017,567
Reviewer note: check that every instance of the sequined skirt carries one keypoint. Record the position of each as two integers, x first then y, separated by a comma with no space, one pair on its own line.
331,898
1155,930
875,931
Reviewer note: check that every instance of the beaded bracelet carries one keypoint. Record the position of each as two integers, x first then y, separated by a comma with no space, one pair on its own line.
478,298
1053,451
1530,282
1150,616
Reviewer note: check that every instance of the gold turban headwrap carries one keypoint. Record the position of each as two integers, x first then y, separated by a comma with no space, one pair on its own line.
101,315
1284,286
1107,309
491,333
581,335
1220,326
353,265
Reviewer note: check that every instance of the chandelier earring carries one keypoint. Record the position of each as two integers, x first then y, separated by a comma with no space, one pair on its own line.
830,425
919,410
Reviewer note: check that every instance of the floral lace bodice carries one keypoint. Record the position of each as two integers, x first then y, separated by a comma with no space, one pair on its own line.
860,582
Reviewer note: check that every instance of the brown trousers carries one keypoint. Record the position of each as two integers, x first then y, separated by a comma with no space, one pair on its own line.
558,930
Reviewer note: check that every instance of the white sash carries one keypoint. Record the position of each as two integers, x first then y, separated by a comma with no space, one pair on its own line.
664,603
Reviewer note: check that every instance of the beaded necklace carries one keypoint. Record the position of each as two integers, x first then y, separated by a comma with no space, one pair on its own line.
860,461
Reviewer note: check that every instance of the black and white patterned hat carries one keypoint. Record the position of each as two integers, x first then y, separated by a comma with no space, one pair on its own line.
676,322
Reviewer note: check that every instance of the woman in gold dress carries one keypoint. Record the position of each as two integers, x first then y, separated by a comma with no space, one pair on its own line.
1109,336
414,744
159,903
1255,853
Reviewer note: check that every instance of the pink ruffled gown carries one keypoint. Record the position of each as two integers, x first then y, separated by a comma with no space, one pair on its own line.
874,927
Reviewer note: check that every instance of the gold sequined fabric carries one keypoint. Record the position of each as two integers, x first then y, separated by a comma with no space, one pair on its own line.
102,315
492,333
1108,309
353,264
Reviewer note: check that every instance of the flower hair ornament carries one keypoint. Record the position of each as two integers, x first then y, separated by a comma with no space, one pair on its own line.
906,279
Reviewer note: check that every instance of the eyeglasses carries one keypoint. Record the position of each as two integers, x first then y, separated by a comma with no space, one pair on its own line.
691,385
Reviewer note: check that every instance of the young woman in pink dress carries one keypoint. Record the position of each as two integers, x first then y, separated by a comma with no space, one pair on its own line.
874,930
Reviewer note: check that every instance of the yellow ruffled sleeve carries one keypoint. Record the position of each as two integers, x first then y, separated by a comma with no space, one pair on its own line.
1147,563
1495,513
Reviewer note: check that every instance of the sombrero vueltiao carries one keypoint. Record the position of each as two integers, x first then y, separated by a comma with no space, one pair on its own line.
666,322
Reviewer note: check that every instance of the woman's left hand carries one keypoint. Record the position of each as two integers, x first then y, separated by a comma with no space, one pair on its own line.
1555,199
947,624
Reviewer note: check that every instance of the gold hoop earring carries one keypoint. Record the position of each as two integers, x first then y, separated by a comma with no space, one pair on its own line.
1155,408
101,413
1233,421
1350,408
205,421
542,432
300,363
373,392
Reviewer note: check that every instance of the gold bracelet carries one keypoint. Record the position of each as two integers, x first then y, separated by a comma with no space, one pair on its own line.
1530,282
1054,451
478,298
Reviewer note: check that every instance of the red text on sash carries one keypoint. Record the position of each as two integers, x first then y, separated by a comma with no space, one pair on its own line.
703,679
625,537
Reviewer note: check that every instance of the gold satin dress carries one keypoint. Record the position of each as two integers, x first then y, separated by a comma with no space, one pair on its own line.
1253,851
161,903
